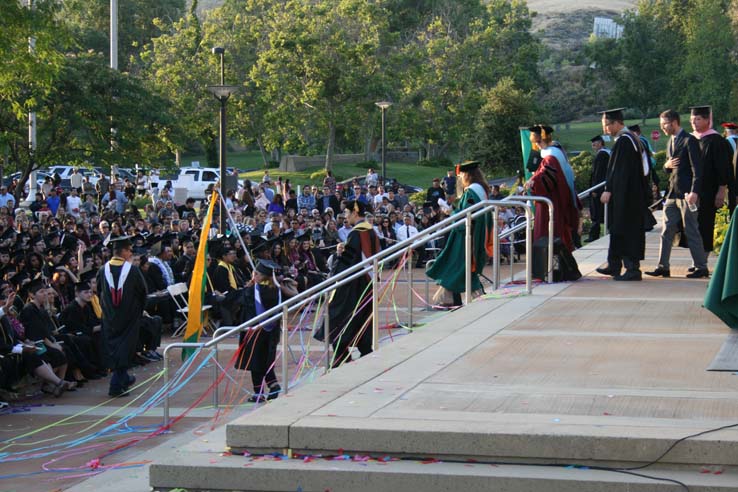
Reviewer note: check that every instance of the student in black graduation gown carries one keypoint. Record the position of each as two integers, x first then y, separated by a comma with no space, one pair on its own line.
226,280
122,291
599,174
78,317
350,308
258,347
19,357
716,176
626,192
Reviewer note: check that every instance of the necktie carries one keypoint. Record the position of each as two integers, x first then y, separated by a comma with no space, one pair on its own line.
407,232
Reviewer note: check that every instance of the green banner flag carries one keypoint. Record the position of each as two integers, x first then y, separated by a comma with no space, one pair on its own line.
526,148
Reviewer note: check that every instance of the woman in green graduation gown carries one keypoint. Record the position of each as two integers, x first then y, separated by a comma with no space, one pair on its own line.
449,268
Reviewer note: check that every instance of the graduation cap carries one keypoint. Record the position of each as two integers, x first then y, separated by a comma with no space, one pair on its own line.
704,111
467,166
635,128
35,285
730,126
87,276
69,241
120,242
597,138
4,251
215,247
268,268
82,285
615,114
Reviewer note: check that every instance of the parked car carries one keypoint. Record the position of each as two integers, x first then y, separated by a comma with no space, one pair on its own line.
40,177
66,172
196,179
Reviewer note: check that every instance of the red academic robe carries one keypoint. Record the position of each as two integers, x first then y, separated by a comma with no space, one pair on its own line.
549,181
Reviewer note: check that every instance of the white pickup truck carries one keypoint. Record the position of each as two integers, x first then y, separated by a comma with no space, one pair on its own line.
194,179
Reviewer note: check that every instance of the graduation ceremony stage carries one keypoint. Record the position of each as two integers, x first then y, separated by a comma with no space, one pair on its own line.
589,375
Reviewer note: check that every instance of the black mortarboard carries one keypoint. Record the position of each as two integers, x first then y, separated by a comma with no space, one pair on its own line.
267,267
597,138
69,241
81,285
35,285
635,128
258,243
215,247
120,242
703,111
467,166
613,114
87,276
4,251
541,129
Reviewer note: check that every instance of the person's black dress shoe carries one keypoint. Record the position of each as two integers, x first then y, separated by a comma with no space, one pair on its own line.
660,272
691,269
274,392
608,271
699,273
629,275
118,393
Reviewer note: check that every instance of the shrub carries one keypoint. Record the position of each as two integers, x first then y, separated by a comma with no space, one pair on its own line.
366,164
321,174
722,222
272,165
418,198
582,166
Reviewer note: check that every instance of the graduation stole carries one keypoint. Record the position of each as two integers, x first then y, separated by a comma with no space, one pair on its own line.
116,290
260,309
231,276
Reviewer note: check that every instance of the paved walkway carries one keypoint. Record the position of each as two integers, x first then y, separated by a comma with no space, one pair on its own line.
591,371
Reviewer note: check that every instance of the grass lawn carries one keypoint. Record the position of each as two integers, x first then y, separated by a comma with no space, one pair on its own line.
406,173
578,135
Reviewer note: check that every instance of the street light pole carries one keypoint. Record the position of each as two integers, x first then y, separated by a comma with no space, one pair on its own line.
383,105
222,92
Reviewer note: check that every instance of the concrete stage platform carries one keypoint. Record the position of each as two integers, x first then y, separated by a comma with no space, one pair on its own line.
594,373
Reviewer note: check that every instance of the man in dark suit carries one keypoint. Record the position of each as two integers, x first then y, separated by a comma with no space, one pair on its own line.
327,200
684,168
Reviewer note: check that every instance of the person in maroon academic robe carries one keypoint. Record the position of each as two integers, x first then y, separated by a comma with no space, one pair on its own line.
549,181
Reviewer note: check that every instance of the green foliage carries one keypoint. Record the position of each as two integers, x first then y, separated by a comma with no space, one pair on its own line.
496,141
272,165
444,162
582,166
319,176
722,223
418,198
660,157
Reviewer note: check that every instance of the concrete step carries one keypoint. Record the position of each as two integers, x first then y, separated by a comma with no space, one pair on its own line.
196,471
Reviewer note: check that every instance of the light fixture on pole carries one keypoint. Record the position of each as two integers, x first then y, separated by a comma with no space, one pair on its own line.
222,92
383,105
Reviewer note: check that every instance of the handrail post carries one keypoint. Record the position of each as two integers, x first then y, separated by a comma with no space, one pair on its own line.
327,334
216,396
468,259
166,385
549,274
607,222
375,305
410,294
528,251
285,348
427,283
496,265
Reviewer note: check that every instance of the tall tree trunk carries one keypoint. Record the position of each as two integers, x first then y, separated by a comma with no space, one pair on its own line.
178,157
331,145
263,151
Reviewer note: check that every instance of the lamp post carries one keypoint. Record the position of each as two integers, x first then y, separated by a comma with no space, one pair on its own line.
222,92
383,105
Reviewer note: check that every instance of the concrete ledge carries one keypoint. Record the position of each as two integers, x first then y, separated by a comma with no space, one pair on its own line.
238,473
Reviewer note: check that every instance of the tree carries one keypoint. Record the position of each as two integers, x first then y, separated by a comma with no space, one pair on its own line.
139,21
75,117
496,140
319,64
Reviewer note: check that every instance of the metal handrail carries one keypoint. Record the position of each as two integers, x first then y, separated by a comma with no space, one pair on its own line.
588,192
550,205
370,264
